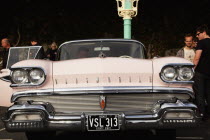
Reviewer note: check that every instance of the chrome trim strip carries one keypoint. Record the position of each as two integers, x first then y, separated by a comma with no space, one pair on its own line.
26,106
173,88
56,117
103,90
136,89
4,79
188,91
177,82
179,64
31,93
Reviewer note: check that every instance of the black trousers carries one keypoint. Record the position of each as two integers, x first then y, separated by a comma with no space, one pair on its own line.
201,88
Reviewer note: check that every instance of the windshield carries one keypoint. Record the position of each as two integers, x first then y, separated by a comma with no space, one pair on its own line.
17,54
87,49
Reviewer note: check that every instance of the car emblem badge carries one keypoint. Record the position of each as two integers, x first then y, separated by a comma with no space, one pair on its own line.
102,102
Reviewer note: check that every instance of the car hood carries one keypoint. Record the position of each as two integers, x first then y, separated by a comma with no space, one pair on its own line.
101,72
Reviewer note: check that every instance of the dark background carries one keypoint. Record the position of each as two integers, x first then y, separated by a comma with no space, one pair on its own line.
160,24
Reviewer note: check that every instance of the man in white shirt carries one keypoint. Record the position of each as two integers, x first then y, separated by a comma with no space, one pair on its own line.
187,51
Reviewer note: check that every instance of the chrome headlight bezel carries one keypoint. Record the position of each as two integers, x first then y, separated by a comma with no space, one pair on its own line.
178,78
36,76
169,73
18,74
184,72
29,80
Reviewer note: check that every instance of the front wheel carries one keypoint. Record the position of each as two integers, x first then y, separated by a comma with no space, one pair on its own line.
44,135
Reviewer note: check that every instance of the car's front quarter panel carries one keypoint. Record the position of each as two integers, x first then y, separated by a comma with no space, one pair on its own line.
6,91
159,63
45,65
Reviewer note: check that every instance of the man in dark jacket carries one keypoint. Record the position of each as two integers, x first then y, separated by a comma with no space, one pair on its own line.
202,71
5,43
34,42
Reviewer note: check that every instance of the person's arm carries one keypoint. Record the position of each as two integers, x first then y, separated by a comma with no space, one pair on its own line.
197,57
180,53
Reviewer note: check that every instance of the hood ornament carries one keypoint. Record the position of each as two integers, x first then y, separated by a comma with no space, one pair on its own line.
102,102
102,55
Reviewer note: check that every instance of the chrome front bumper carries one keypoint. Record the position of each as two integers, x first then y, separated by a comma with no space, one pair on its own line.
78,122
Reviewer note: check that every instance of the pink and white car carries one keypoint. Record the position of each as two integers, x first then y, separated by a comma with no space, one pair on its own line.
101,85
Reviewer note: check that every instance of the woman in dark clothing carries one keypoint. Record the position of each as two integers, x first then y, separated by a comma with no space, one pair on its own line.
52,51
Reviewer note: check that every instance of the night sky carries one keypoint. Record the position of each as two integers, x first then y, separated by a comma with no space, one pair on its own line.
162,23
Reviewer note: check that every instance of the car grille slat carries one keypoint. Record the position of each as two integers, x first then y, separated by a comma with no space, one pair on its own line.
91,103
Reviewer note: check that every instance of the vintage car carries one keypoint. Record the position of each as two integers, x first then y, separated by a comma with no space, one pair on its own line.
101,85
16,54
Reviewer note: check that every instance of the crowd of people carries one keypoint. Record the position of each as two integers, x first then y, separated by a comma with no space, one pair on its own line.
50,53
196,50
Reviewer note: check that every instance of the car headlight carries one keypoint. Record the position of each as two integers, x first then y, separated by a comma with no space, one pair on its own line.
37,76
27,76
174,73
186,74
20,76
169,73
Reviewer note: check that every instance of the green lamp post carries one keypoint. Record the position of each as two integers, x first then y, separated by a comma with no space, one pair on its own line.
127,9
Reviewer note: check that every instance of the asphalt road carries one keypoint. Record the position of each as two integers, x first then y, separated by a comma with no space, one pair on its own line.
200,133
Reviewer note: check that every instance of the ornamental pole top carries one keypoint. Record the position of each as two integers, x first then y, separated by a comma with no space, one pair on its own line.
127,8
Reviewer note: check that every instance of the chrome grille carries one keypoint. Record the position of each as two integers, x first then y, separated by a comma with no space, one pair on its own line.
114,102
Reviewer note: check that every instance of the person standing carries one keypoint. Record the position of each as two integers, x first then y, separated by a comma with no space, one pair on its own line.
34,42
201,61
195,42
51,52
5,43
187,51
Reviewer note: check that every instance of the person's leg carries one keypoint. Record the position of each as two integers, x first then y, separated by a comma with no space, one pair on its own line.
207,93
198,88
